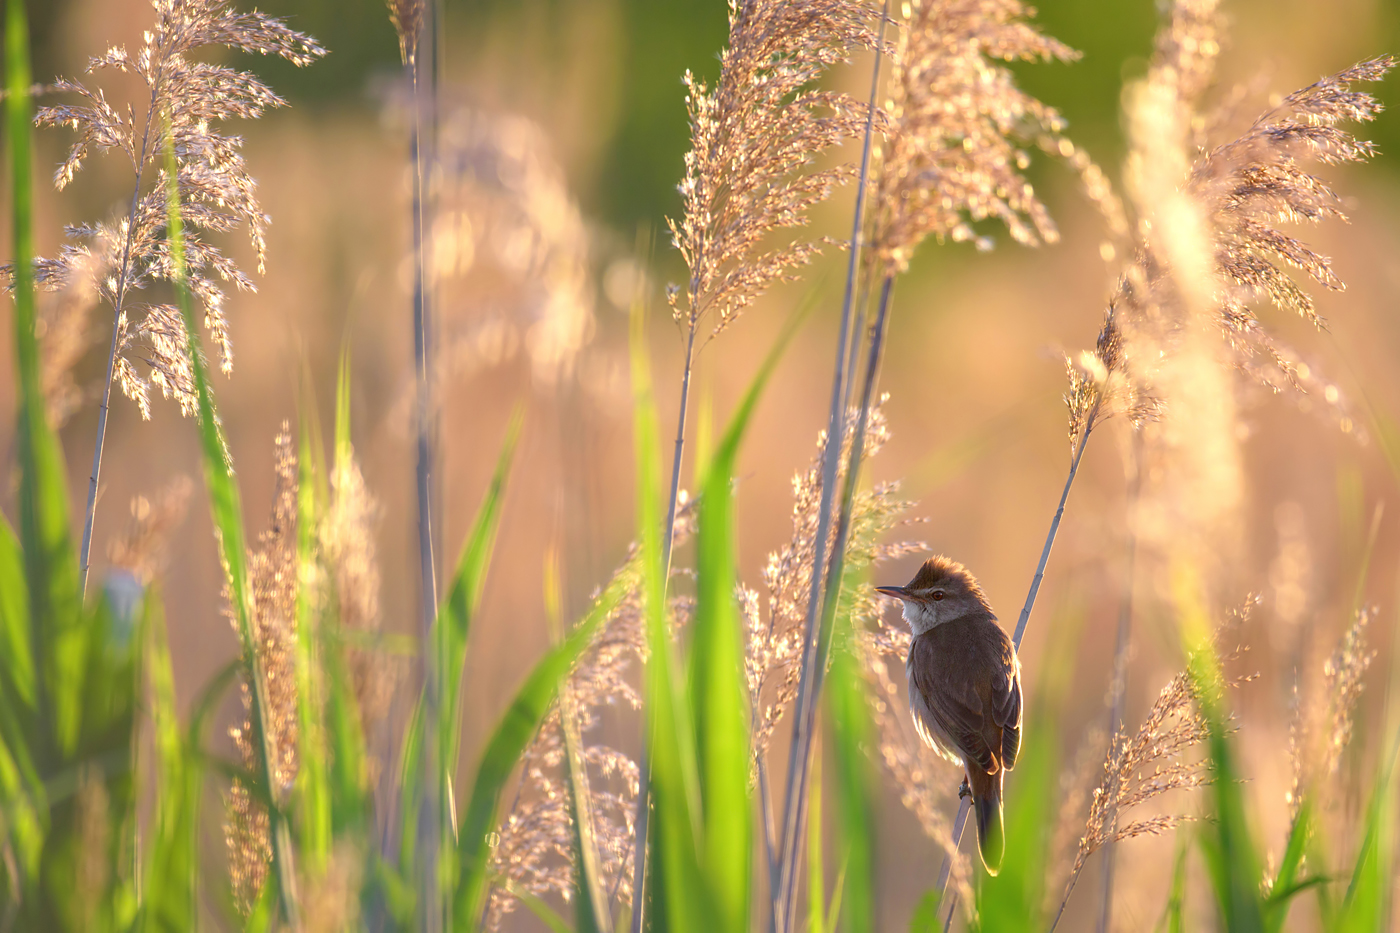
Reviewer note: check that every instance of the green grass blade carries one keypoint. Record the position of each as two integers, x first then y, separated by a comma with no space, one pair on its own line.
58,637
410,790
590,900
1176,895
17,684
464,598
851,735
171,895
512,734
1368,894
348,771
925,917
313,789
227,512
718,696
679,900
1285,885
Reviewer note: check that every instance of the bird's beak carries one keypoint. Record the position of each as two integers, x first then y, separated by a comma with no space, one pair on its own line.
894,592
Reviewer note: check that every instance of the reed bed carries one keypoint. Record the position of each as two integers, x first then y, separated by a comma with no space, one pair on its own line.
497,663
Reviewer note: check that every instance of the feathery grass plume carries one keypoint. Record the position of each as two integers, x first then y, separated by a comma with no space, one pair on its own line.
754,137
510,232
1159,758
141,549
774,649
1238,195
535,849
345,539
957,122
64,338
272,578
216,191
407,17
1321,725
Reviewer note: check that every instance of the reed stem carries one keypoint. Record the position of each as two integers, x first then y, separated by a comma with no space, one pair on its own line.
123,280
430,830
643,811
960,823
1120,674
800,750
836,563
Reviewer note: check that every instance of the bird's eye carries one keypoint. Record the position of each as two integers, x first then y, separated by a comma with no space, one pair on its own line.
937,594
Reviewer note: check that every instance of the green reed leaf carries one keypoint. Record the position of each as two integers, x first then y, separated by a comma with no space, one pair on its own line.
226,508
512,734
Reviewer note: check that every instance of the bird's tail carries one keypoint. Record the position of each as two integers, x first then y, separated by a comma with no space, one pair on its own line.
991,831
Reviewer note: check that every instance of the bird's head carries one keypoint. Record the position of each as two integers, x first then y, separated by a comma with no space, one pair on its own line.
941,591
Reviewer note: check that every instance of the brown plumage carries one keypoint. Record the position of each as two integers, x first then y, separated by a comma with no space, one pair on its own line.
964,687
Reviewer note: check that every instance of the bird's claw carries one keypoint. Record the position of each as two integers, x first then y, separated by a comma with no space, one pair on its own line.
964,790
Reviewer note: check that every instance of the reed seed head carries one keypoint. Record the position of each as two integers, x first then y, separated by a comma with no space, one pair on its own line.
754,138
958,124
272,585
189,99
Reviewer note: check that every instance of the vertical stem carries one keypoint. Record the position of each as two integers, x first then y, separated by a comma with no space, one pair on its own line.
807,715
960,823
643,812
1120,667
123,278
430,831
835,434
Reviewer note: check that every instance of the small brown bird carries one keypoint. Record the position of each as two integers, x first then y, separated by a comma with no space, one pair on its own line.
964,687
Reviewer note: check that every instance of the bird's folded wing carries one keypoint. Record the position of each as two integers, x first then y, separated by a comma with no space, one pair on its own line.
957,710
1006,712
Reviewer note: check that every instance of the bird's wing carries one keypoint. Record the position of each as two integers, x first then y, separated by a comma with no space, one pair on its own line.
958,711
1006,712
1006,698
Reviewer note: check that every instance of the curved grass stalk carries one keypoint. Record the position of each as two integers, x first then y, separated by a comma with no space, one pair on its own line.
225,503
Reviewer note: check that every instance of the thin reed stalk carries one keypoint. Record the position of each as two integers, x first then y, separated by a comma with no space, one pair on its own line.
215,183
416,24
123,280
1120,668
799,755
639,852
960,822
814,667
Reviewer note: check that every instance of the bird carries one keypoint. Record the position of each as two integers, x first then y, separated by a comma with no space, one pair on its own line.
964,688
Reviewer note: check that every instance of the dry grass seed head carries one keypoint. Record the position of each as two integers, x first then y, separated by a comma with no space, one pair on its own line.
407,17
1160,757
217,194
754,138
272,585
772,662
1240,193
508,220
141,549
954,155
534,848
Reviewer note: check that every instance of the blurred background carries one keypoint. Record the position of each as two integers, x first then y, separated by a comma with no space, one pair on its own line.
564,128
